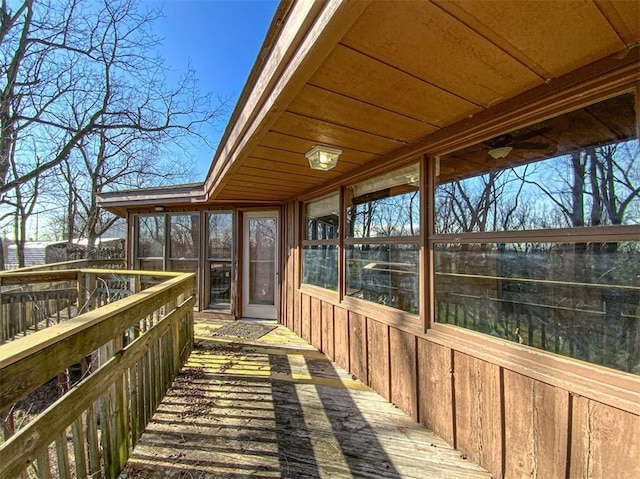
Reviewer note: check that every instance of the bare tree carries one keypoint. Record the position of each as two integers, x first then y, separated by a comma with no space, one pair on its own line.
71,69
108,160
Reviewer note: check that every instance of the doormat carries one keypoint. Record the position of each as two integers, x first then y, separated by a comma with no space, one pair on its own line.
244,329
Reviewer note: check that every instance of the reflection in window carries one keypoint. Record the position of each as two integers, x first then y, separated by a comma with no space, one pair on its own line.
151,236
220,234
578,170
388,205
320,266
219,248
386,274
262,260
322,218
220,292
320,243
580,300
377,270
185,235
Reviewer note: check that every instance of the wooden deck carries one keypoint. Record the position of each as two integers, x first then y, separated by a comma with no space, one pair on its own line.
276,407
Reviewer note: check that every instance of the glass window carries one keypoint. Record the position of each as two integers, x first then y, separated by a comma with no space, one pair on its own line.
220,285
320,244
378,270
580,300
220,234
151,236
384,206
185,235
320,266
322,218
578,170
529,281
219,252
386,274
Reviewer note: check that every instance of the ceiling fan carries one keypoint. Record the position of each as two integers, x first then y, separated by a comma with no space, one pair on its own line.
501,146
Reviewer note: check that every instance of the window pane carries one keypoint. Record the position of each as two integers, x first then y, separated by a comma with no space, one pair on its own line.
320,266
576,299
182,266
579,169
151,265
322,218
185,235
220,235
220,283
387,205
151,236
262,261
385,274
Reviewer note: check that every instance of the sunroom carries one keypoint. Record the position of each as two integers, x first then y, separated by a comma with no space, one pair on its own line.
474,255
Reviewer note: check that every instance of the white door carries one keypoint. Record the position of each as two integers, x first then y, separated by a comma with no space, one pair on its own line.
260,268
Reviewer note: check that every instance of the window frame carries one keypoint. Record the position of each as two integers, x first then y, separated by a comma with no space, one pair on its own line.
208,260
475,341
411,321
337,242
138,259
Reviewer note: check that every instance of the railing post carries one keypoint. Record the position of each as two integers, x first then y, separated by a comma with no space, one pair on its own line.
81,291
2,338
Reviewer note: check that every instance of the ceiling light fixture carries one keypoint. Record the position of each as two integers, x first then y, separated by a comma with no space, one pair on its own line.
500,153
323,158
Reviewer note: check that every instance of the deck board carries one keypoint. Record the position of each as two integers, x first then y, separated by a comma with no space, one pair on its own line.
277,407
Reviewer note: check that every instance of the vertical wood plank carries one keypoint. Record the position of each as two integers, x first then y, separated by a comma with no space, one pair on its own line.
134,413
605,441
316,323
435,387
536,429
403,371
478,412
44,465
358,346
62,456
79,442
327,330
297,320
142,415
93,441
305,318
378,357
341,344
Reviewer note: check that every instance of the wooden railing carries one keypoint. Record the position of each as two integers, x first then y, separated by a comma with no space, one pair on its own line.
128,352
37,297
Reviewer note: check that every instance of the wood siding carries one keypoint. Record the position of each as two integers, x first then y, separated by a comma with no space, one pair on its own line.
511,424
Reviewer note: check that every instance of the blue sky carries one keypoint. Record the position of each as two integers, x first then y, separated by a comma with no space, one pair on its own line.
221,39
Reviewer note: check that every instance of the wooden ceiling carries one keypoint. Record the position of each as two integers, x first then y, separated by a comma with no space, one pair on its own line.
375,78
405,70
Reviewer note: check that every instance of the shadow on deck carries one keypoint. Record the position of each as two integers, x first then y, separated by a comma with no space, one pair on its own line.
276,407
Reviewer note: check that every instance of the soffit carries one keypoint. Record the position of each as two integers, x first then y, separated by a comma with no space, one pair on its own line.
405,70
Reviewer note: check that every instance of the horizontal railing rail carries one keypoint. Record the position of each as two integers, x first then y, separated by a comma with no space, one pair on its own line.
128,352
37,297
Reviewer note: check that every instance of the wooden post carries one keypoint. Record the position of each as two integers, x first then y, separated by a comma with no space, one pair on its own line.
81,291
2,328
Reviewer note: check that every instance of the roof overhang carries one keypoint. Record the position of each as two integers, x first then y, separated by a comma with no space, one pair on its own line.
386,80
160,197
